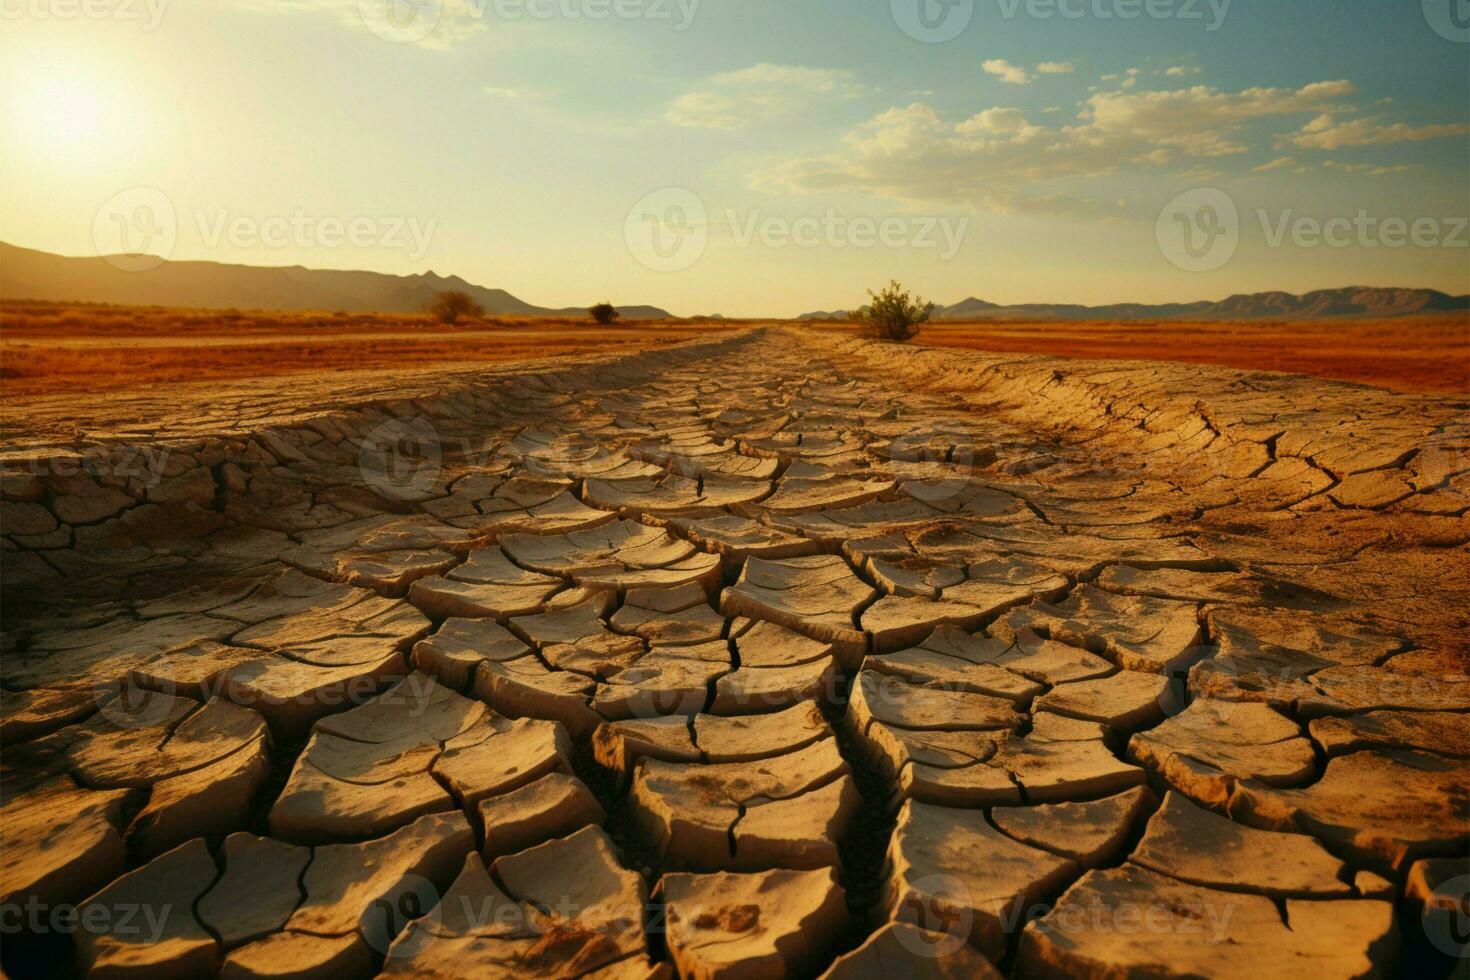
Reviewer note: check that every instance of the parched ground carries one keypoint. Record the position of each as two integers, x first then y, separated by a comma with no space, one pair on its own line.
774,654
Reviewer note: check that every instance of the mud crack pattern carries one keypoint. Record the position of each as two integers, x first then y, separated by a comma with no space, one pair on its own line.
776,657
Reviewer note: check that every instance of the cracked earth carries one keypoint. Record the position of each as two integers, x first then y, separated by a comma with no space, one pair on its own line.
775,656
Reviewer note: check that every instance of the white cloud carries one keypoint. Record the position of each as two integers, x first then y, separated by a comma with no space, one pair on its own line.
1055,68
1006,72
1179,71
999,160
1326,133
735,99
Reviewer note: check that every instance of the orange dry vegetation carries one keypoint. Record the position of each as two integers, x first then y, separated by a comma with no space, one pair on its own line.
48,348
1420,354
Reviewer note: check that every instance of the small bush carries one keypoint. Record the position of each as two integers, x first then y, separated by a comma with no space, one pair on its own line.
604,313
449,306
892,315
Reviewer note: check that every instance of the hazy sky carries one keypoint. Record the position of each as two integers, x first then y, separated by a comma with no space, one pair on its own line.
753,157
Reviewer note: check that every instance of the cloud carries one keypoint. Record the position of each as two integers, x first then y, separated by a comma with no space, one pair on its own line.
1055,68
1372,170
735,99
998,159
1280,163
502,92
453,22
1006,72
1179,71
1326,133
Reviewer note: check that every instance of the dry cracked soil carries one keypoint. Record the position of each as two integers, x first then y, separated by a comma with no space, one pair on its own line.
781,655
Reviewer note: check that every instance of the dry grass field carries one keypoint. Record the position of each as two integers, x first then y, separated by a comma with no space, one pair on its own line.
1422,354
54,348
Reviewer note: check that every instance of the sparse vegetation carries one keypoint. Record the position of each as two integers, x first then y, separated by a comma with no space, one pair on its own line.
452,305
893,314
604,313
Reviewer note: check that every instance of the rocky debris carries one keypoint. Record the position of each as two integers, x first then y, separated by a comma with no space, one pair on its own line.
1385,809
773,924
1206,749
899,949
1091,834
952,872
1192,844
1130,920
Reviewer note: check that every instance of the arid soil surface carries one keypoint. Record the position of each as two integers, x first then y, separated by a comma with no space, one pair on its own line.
1428,353
50,349
777,654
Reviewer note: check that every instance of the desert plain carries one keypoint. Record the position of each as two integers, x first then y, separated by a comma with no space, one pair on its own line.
731,650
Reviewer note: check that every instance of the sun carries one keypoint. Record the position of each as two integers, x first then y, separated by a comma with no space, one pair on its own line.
60,114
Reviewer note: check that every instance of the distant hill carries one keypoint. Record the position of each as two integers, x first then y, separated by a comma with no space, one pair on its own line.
30,274
1322,304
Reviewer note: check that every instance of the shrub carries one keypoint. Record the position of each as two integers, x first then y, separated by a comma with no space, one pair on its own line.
449,306
604,313
892,315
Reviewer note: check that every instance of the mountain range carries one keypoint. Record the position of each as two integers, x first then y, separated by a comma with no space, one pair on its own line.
30,274
1321,304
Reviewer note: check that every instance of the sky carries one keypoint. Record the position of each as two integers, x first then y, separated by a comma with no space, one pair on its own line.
753,157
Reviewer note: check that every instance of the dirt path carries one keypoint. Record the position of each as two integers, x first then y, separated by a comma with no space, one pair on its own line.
736,658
